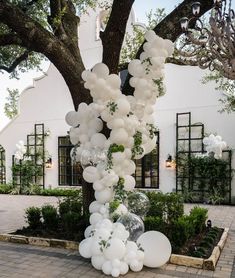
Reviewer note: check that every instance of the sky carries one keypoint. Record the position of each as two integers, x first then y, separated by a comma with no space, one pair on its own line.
141,7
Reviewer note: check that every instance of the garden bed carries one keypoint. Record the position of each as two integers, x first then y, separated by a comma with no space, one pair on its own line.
209,263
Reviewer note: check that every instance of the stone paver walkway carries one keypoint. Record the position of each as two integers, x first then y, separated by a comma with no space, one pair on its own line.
30,261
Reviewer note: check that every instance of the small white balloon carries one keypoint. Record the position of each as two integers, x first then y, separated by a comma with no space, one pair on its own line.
91,174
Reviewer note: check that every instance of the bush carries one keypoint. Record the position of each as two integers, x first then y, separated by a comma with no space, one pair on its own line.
180,231
70,204
50,217
199,216
154,223
5,188
165,206
33,217
71,222
61,192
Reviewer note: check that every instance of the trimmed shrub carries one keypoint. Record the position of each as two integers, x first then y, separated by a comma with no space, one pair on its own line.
180,231
5,188
50,217
199,216
154,223
165,206
33,217
61,192
70,204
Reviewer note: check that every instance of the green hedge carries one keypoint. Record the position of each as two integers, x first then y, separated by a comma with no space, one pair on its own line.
168,206
37,190
166,215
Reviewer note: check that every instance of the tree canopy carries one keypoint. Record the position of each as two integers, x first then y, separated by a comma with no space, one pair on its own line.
33,29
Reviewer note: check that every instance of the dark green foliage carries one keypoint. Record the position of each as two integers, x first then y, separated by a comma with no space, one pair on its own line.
166,214
70,222
33,217
70,204
199,216
180,231
154,223
166,206
38,190
61,192
209,176
50,217
5,188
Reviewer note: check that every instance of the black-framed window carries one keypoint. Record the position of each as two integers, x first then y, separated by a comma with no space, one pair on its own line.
2,166
147,168
69,173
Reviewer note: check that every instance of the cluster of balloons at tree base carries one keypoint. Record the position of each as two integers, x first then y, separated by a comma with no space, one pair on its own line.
115,240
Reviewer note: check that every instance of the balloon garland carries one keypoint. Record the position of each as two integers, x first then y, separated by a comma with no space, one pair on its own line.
214,145
108,162
21,150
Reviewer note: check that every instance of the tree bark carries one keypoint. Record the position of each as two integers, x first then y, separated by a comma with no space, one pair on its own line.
113,36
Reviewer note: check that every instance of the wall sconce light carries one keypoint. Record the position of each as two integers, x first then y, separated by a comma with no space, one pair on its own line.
48,163
169,162
209,224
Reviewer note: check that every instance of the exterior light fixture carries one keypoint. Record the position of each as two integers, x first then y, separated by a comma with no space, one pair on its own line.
48,163
209,224
169,161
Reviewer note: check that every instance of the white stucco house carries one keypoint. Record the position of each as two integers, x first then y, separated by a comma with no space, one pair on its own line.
46,103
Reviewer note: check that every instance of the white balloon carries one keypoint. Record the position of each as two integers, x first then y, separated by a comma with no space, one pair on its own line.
85,247
150,35
115,272
124,268
94,207
129,183
98,185
98,140
136,265
114,81
101,70
152,241
104,196
131,246
115,249
107,267
97,262
119,136
95,218
71,118
123,106
91,174
88,231
95,249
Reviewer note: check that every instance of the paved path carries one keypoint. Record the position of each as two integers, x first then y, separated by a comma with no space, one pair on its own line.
30,261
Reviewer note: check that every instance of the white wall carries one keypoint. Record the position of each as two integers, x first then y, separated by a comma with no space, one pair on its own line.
186,93
46,102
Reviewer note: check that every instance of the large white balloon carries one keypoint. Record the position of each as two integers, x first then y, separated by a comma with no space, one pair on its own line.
157,248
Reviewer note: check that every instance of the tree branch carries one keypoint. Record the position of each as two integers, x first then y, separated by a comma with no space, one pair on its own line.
10,39
17,61
169,28
113,36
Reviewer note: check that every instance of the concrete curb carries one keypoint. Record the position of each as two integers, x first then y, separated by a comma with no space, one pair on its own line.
38,241
208,264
